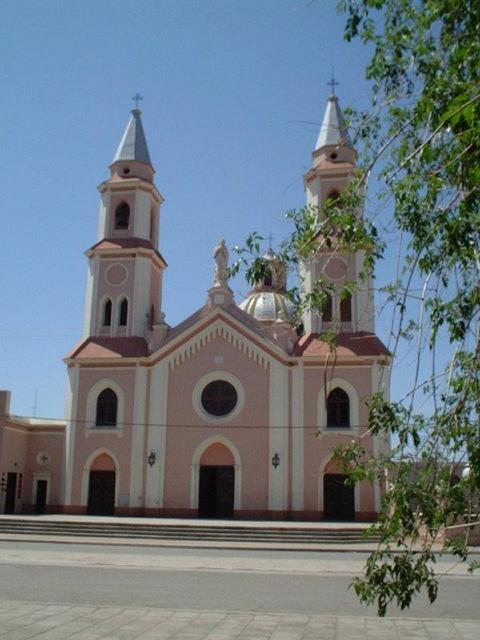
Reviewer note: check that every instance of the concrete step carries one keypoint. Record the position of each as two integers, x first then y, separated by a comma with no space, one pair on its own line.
218,533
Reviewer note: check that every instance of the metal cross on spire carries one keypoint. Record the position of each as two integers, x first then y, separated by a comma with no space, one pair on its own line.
332,83
136,98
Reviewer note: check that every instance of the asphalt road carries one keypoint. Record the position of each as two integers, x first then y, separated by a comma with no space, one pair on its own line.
204,579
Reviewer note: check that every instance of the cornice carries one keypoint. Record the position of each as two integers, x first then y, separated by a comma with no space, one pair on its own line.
132,184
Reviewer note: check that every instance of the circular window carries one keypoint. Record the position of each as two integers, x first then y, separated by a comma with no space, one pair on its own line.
219,398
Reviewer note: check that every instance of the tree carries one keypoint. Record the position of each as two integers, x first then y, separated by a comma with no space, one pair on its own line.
421,138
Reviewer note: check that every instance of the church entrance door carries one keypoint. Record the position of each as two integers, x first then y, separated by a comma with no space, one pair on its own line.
101,493
338,498
216,492
11,490
41,500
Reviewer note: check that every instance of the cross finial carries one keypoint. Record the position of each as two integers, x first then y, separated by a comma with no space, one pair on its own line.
270,238
136,98
332,83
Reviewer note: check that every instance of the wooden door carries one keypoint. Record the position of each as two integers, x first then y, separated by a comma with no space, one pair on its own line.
11,491
41,500
216,492
101,493
338,498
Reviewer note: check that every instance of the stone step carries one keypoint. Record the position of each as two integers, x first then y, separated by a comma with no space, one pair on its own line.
187,532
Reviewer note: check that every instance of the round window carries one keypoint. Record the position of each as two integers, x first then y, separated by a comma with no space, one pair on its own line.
219,398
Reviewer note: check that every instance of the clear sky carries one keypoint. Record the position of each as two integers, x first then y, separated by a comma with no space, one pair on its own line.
234,92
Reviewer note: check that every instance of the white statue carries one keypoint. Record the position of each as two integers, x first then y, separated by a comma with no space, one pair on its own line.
220,255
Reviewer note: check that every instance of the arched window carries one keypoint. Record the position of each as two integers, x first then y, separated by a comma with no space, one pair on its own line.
123,316
338,409
346,308
122,216
327,309
107,403
107,313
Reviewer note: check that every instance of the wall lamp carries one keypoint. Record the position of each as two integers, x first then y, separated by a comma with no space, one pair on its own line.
275,460
152,458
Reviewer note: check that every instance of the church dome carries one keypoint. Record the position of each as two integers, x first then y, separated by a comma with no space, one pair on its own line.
268,306
268,301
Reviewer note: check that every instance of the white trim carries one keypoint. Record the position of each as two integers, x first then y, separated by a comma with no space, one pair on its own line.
141,296
108,268
86,474
137,462
91,408
298,437
321,497
353,402
195,470
89,315
202,383
157,435
219,328
278,437
71,405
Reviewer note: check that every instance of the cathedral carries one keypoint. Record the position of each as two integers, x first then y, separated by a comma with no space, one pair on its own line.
233,413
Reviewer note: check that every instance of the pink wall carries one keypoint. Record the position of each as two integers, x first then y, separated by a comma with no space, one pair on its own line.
317,448
118,442
252,443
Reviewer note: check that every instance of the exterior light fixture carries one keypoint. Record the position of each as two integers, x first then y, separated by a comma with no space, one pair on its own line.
152,458
275,460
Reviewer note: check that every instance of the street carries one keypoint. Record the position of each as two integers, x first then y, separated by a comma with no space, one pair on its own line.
225,580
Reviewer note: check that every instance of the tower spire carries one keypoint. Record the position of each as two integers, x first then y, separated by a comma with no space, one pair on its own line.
333,131
133,145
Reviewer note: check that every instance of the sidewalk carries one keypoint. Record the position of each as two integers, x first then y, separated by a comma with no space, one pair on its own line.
20,621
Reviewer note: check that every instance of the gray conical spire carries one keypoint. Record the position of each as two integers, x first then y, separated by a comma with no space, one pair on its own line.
133,145
333,130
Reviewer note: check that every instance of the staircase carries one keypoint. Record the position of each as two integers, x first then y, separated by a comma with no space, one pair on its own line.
213,533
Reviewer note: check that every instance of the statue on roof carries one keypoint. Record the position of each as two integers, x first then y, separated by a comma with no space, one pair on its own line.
220,255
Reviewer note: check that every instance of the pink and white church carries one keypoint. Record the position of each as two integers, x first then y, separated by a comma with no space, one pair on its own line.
230,413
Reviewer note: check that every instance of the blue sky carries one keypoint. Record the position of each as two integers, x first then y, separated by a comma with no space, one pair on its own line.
234,92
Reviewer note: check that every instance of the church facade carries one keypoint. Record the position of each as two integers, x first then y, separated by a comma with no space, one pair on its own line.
231,413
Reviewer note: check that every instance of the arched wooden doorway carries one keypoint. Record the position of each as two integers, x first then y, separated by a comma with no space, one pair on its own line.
101,486
338,497
217,483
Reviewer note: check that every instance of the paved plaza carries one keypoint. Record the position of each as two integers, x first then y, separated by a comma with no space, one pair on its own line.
20,620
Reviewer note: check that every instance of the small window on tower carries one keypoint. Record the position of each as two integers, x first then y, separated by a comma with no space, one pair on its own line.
123,317
346,309
122,216
327,309
107,313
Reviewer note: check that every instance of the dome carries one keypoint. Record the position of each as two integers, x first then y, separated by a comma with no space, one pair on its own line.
269,306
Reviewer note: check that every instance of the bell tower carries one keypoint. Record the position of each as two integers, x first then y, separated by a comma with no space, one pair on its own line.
333,166
124,283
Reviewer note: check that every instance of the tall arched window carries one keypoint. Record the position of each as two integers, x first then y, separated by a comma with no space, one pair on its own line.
338,409
346,308
327,309
123,315
122,216
107,403
107,313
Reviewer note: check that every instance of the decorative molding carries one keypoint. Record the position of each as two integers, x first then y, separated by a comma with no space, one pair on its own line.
195,470
86,473
222,330
211,377
353,402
